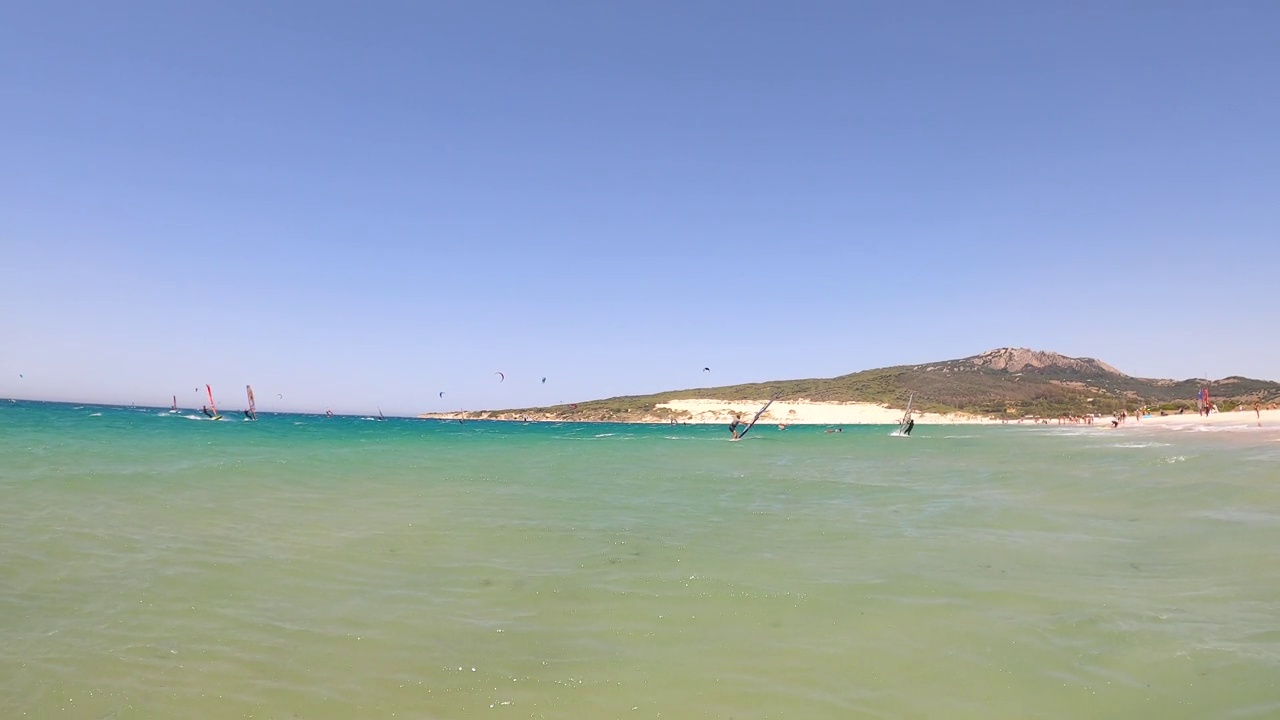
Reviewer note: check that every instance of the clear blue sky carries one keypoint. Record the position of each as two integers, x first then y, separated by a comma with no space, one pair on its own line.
354,205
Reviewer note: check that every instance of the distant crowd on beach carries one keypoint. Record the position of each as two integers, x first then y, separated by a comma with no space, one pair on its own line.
1063,420
1123,416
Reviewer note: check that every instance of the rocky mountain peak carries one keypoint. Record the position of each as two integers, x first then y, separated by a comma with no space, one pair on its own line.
1015,360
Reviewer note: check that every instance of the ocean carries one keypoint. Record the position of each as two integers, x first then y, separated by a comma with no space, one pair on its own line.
157,565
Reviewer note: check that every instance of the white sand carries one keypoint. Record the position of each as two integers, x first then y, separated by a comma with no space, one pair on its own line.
1236,418
810,413
800,412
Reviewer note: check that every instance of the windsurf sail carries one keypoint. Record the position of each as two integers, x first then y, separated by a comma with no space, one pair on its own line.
752,424
907,415
212,405
380,415
175,404
253,409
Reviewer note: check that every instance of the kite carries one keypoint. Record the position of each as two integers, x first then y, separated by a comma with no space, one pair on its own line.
279,396
544,381
501,377
441,394
706,369
20,376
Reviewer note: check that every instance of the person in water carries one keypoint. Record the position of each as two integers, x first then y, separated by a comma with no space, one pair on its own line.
911,423
733,426
205,409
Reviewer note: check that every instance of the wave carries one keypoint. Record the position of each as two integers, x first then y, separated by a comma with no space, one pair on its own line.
1217,428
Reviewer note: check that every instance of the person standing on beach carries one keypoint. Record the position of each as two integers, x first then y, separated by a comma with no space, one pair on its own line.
1257,410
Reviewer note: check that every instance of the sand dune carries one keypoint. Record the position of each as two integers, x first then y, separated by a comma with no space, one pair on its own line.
810,413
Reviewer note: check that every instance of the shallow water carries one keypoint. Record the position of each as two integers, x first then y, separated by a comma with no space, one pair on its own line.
157,565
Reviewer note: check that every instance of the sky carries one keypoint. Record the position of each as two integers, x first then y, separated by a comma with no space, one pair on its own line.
362,205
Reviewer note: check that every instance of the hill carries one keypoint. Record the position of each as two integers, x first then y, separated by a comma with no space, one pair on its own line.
1005,382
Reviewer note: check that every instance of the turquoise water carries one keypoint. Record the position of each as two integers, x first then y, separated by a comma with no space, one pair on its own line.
158,566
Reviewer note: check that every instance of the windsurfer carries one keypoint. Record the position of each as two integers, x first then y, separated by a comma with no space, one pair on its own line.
911,423
733,426
205,409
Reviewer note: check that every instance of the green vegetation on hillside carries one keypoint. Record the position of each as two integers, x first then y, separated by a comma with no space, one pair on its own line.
1058,387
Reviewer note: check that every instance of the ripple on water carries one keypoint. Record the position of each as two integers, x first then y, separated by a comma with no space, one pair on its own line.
353,569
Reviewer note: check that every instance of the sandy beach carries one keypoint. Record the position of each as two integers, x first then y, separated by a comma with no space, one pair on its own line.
812,413
1238,418
799,412
708,412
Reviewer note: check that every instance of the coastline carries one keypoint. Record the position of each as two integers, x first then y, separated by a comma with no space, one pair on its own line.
1233,419
800,412
715,412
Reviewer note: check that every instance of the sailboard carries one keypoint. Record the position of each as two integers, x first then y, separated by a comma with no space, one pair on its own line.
901,424
174,408
906,417
252,412
752,424
212,405
380,415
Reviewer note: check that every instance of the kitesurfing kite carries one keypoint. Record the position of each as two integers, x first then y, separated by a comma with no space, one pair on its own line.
544,381
501,377
706,369
442,394
279,396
